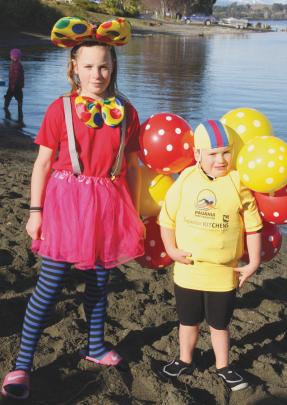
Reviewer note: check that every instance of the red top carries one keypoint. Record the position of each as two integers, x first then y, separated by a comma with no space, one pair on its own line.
97,147
16,75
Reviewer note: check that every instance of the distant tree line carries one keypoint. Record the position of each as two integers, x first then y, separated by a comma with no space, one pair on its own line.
161,8
40,15
252,11
175,7
27,14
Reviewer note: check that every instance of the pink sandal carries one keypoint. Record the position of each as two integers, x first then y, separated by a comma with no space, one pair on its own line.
19,383
112,358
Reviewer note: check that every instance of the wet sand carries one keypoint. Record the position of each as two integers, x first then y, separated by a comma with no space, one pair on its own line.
141,323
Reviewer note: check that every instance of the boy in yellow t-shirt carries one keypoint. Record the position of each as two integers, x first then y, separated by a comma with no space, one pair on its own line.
203,220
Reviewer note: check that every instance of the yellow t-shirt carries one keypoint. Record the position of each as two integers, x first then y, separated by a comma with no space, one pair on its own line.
209,218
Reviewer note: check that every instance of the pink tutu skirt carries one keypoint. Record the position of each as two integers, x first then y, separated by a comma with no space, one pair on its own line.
89,221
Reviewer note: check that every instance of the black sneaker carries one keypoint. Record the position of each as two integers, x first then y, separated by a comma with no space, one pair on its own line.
232,378
176,368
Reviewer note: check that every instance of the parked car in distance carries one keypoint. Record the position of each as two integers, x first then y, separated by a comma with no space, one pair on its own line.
200,18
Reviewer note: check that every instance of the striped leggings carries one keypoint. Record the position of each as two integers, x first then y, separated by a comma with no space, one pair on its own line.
43,300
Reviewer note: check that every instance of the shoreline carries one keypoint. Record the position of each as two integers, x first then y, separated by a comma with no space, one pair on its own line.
26,38
141,321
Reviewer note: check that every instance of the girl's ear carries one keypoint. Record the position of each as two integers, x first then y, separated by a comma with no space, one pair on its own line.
75,66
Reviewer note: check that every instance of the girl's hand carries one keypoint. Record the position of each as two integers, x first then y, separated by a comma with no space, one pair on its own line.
245,272
180,256
33,226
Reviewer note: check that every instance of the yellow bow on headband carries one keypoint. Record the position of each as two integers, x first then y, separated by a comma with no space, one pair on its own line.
93,112
71,31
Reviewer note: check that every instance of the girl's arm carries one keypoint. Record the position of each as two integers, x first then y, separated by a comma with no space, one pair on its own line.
40,175
134,178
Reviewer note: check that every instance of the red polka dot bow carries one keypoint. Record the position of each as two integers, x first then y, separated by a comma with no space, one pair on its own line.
71,31
93,112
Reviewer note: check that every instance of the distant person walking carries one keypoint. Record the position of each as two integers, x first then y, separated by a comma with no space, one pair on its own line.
16,84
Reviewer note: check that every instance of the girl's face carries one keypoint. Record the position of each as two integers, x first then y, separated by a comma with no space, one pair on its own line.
94,67
215,162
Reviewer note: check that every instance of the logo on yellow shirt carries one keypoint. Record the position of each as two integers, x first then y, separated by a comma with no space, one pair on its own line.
206,200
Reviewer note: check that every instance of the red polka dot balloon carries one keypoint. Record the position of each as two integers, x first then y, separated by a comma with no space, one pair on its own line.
155,256
271,243
166,142
273,206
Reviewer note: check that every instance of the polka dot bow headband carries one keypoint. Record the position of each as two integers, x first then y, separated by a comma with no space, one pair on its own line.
71,31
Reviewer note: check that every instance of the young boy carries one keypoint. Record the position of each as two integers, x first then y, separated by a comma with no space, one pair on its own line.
16,83
203,220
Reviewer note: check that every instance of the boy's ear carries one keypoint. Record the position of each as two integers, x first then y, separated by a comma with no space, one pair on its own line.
196,154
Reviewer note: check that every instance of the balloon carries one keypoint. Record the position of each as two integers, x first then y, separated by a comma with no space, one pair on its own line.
273,206
153,191
166,142
271,243
248,123
262,164
155,256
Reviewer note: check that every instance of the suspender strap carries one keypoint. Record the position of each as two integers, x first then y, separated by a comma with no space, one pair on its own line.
116,169
71,137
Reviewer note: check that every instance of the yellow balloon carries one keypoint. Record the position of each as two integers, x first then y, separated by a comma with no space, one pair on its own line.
153,191
262,164
237,145
248,123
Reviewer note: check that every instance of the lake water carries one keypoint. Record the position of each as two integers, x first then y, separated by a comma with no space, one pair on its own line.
278,25
197,78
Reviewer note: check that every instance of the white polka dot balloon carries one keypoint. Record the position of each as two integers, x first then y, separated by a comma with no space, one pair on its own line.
155,256
154,187
271,243
273,206
262,164
248,123
166,142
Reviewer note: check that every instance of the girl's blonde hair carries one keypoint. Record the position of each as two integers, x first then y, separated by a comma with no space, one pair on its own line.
72,78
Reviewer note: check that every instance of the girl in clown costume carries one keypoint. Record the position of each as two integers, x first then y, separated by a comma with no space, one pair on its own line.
84,213
203,221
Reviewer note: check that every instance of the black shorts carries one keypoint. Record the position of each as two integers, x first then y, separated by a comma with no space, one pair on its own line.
194,306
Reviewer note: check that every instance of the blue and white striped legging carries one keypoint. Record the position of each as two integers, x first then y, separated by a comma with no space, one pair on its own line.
43,300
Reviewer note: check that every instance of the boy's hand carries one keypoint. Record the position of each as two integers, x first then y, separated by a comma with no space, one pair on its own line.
245,272
180,256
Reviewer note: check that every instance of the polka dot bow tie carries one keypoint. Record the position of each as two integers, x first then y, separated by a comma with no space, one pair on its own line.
94,112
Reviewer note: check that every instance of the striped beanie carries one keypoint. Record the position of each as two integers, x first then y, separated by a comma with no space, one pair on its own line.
212,134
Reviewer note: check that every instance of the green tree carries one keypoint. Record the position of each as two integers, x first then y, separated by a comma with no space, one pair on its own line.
27,14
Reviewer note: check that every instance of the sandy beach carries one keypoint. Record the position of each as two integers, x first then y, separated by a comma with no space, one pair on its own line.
141,323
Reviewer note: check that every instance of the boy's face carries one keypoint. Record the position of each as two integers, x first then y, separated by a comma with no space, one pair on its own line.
215,162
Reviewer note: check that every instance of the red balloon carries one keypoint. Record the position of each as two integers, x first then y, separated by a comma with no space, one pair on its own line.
155,256
166,142
273,206
271,243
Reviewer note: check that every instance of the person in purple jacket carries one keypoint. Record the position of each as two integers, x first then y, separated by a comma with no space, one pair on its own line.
16,84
